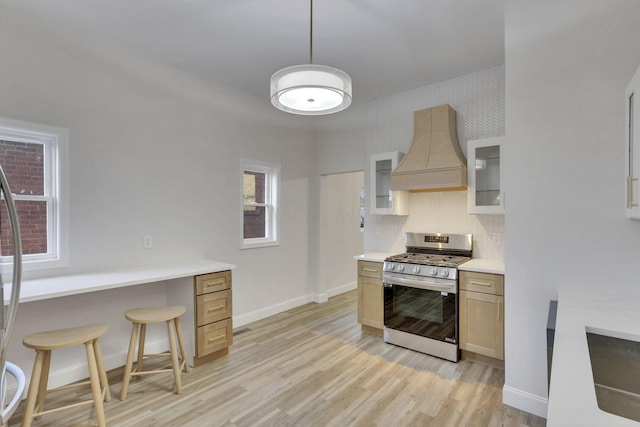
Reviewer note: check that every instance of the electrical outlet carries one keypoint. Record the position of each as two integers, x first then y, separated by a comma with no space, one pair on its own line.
148,242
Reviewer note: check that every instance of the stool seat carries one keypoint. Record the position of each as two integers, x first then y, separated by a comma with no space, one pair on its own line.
61,338
154,314
44,343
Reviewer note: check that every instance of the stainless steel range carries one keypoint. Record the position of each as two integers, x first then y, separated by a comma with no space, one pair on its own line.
421,293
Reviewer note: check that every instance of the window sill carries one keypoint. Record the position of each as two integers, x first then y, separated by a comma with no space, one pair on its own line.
259,245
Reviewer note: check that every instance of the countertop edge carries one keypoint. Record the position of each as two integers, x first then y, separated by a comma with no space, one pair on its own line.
491,266
572,398
74,284
373,256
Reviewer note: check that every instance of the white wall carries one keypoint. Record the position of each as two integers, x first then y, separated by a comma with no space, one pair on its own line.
341,235
567,64
478,99
146,161
340,150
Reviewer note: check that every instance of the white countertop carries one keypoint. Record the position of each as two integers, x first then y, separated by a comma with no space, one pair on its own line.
492,266
53,287
572,398
374,256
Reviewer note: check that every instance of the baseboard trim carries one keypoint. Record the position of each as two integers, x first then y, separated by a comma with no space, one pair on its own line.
319,298
524,401
263,313
342,289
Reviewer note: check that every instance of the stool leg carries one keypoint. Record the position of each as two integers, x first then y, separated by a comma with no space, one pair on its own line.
143,335
95,383
174,357
33,389
181,344
104,382
44,381
127,368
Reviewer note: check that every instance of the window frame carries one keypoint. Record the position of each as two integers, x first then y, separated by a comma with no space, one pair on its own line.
55,143
271,203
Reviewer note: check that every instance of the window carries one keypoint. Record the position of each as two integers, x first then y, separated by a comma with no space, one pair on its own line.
33,158
259,204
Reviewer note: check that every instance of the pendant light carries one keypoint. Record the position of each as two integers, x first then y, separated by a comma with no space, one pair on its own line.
310,89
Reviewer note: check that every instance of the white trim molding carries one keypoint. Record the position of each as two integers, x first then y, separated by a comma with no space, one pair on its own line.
525,401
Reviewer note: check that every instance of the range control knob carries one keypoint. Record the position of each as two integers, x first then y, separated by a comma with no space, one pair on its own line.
445,273
401,268
434,272
391,267
416,270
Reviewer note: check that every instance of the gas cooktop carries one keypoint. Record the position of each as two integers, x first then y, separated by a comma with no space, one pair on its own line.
429,259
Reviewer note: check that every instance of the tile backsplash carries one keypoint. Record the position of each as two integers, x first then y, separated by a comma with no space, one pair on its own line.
478,99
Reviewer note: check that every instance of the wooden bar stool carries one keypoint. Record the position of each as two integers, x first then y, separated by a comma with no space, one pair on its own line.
140,317
43,343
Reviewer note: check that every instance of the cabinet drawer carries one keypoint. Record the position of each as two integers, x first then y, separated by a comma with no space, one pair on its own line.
214,337
370,269
482,282
213,282
213,307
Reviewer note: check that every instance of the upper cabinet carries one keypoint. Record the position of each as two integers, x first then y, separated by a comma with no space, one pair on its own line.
485,193
383,200
632,149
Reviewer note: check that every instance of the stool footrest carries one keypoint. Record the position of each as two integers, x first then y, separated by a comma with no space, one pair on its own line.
71,405
156,371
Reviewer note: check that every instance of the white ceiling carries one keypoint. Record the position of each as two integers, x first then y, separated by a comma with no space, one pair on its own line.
387,46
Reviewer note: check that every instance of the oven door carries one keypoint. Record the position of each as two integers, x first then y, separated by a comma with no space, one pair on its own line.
425,307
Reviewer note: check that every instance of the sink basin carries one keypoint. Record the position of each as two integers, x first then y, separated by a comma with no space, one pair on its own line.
615,363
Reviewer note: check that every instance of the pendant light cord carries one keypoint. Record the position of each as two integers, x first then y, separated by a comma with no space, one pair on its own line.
311,35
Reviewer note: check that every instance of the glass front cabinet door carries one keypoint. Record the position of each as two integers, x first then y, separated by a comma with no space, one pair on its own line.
485,193
383,200
632,149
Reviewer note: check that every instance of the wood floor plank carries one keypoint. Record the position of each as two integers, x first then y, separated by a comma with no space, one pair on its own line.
309,366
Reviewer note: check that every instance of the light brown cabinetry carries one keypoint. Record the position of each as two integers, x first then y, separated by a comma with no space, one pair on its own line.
214,328
370,296
482,313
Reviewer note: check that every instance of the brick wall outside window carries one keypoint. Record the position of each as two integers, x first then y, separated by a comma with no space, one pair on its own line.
23,163
255,216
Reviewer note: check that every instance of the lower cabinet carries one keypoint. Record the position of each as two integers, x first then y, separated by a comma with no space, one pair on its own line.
213,307
370,296
482,313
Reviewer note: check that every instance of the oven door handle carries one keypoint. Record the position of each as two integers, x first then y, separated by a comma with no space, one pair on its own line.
430,286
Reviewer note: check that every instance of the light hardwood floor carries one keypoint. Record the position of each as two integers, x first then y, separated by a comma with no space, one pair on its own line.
310,366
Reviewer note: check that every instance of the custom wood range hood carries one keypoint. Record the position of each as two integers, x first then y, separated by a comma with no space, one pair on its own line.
434,161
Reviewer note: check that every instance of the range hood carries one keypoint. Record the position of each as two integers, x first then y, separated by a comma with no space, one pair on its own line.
434,161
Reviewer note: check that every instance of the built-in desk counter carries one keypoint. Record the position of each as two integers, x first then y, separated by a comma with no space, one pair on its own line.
104,296
54,287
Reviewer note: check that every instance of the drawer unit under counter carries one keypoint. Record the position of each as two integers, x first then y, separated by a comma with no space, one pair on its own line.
213,309
215,337
213,282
